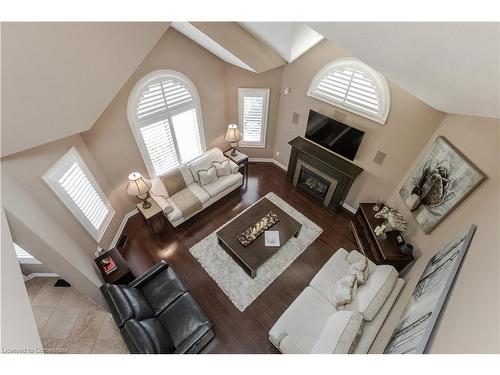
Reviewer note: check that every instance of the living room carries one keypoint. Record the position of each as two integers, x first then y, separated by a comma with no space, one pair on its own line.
237,176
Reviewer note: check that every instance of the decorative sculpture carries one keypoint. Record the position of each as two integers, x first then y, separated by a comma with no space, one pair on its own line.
393,220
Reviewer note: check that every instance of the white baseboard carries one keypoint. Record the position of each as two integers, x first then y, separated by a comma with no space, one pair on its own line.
39,274
349,208
269,160
122,226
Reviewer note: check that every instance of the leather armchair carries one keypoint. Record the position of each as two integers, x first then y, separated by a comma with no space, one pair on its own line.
157,314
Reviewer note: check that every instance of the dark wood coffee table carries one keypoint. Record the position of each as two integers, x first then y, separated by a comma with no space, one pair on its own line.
250,258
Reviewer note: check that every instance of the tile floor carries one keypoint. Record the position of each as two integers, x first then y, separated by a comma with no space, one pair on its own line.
69,322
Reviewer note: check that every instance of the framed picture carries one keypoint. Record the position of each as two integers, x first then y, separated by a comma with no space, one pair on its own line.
422,312
439,183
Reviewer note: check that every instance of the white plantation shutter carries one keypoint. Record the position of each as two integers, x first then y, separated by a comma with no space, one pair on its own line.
165,117
252,107
354,86
23,256
73,183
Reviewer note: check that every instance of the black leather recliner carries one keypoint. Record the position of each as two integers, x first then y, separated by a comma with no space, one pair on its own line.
156,314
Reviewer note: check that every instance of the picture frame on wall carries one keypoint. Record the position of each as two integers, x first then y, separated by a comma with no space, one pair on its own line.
422,312
442,179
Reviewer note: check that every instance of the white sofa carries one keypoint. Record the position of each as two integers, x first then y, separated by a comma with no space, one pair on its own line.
306,326
207,194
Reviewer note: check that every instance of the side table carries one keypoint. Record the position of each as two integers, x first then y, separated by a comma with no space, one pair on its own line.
152,214
240,159
122,274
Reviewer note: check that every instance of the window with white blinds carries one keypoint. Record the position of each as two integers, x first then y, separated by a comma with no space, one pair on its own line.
252,109
74,184
23,256
352,85
165,117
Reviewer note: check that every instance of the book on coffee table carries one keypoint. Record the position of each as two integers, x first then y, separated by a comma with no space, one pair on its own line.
271,238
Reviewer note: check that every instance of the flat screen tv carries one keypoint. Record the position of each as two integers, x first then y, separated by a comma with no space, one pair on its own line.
333,135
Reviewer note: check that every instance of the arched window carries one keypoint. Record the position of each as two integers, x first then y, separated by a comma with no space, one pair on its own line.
165,116
352,85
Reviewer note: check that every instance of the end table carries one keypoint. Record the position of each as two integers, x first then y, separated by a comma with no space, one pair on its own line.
122,274
152,214
240,159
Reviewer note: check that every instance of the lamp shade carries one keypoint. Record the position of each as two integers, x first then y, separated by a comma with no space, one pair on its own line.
138,185
233,134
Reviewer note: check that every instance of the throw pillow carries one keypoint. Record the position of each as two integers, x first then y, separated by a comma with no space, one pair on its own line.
207,176
222,168
360,269
345,290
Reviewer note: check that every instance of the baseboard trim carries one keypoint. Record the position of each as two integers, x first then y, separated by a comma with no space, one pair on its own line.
349,208
269,160
122,226
39,274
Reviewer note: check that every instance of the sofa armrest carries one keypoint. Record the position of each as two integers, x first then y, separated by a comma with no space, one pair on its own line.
234,167
149,274
197,341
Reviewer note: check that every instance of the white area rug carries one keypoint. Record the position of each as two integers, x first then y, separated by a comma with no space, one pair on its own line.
236,284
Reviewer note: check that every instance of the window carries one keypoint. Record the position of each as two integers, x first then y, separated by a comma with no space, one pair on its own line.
354,86
252,111
72,182
165,117
23,256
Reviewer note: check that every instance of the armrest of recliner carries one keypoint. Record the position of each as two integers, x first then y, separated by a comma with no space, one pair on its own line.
149,274
197,341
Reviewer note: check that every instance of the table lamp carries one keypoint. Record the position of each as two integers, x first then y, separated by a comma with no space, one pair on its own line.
233,136
139,186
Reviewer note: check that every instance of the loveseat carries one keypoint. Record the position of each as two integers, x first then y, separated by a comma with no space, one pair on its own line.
180,193
157,315
312,323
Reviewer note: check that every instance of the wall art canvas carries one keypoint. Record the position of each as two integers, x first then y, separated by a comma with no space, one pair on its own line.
422,312
439,183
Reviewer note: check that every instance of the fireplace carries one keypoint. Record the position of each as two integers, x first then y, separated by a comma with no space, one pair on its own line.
313,183
319,173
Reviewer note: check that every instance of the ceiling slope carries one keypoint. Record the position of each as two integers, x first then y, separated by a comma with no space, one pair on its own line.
57,78
453,67
259,56
289,39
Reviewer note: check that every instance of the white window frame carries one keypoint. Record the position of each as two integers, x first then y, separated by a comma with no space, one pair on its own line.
379,80
136,124
51,178
264,92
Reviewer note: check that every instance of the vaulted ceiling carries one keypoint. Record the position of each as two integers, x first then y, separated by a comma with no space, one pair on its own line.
452,66
58,78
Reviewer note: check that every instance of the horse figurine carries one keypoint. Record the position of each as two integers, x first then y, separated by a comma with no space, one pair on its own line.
393,220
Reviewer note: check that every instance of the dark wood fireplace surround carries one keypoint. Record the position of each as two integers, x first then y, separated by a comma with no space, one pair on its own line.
340,169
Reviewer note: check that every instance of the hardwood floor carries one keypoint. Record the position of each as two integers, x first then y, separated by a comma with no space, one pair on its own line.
241,332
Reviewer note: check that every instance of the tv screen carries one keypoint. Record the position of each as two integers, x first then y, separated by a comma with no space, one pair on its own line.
333,135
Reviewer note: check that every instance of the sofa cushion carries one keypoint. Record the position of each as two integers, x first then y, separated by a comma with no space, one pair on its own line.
340,334
207,176
335,268
162,290
139,304
303,321
147,337
199,192
205,161
371,296
222,183
182,318
344,291
223,168
118,303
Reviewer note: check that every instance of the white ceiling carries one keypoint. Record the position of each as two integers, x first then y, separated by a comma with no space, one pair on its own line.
453,67
208,43
289,39
58,78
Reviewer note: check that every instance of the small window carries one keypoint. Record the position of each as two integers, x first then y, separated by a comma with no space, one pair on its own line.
24,257
252,109
354,86
76,187
165,117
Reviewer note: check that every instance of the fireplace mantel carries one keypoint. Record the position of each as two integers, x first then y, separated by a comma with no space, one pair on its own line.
338,168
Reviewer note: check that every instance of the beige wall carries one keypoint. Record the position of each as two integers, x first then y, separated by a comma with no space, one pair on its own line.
470,321
239,78
18,328
409,125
